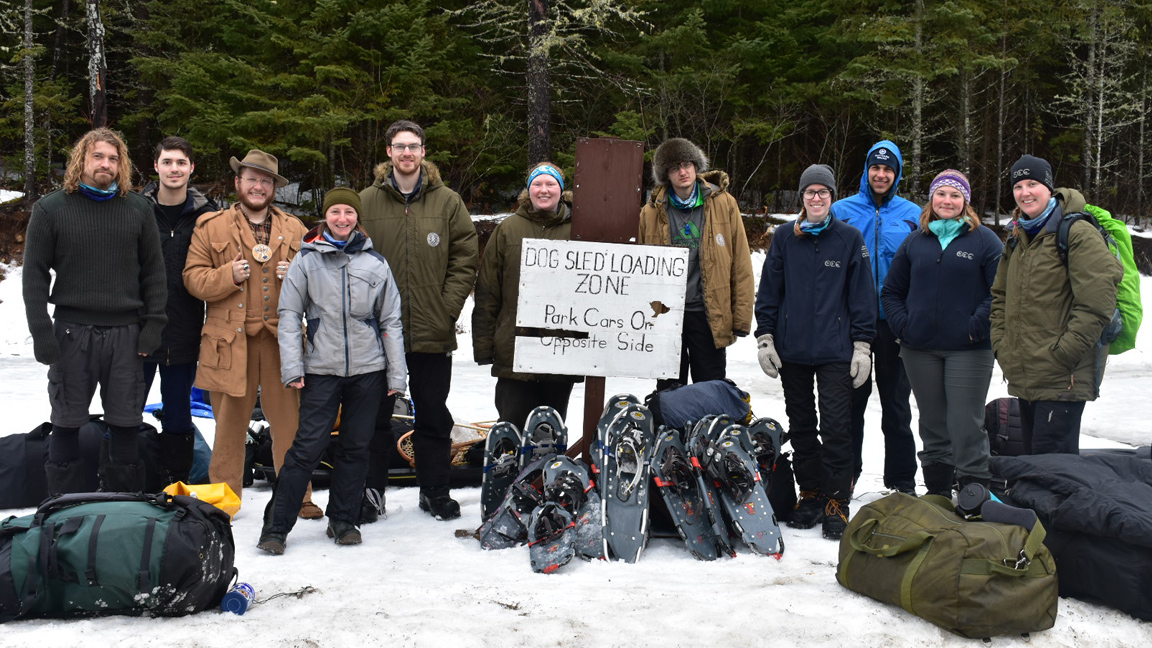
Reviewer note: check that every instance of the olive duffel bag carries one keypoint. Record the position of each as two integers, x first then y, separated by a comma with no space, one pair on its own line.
976,579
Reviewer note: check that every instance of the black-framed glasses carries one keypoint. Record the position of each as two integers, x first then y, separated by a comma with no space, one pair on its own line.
817,193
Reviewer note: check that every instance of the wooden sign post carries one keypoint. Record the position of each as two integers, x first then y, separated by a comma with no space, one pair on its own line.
607,193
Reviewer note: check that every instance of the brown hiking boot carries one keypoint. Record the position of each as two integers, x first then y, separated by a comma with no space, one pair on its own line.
310,511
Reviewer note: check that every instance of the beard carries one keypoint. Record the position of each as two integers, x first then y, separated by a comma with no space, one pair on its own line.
257,206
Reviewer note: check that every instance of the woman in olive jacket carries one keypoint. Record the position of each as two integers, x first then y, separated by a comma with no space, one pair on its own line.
937,297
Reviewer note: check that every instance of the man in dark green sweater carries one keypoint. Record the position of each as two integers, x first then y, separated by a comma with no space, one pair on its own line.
102,241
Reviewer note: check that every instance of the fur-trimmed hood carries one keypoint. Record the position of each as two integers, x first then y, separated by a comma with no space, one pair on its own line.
430,175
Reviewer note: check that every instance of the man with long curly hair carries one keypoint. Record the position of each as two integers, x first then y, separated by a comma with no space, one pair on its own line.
101,240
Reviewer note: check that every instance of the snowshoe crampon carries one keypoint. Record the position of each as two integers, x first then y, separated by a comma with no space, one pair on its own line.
508,526
624,483
742,496
544,435
501,464
568,483
673,475
551,538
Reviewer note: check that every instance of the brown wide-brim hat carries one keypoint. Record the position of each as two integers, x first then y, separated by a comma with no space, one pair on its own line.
261,161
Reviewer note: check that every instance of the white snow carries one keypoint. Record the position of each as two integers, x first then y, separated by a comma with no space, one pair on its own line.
6,195
413,583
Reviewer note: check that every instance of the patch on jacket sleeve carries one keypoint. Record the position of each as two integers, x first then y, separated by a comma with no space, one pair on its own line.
433,239
864,251
720,240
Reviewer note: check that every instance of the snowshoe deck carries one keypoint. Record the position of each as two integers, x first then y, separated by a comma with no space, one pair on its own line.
508,526
673,475
625,483
544,435
501,464
614,406
700,450
568,483
551,538
742,495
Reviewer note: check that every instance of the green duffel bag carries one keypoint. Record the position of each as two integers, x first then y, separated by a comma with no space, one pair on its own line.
976,579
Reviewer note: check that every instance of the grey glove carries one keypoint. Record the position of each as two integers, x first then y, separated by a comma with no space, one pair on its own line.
766,354
861,364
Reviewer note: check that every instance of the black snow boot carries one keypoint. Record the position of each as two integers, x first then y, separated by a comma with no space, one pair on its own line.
939,478
64,477
437,503
836,514
809,511
176,457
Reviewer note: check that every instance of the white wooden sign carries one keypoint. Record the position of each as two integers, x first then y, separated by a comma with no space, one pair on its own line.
628,299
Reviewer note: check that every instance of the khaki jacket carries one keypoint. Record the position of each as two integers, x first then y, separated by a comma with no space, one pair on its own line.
431,245
725,261
1046,318
494,327
235,312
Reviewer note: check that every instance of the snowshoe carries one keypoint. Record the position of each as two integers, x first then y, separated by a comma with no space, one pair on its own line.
767,441
501,463
743,498
544,435
700,451
672,472
508,526
625,483
551,538
613,407
567,483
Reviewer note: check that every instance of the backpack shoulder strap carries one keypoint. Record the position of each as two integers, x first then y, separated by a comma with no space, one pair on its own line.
1062,232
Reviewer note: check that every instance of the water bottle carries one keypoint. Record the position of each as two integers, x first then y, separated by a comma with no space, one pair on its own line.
238,599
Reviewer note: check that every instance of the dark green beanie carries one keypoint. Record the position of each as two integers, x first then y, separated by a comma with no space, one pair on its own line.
341,196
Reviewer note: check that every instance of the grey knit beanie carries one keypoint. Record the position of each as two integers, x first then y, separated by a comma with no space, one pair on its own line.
671,153
820,174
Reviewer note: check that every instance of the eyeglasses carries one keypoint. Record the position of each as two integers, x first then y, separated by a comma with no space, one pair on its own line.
685,166
407,147
819,193
265,182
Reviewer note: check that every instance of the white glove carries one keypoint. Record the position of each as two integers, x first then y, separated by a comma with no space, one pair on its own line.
769,360
861,365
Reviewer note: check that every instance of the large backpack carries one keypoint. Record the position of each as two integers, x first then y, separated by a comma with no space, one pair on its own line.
1129,310
90,554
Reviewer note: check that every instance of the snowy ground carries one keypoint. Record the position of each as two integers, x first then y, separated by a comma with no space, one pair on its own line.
413,583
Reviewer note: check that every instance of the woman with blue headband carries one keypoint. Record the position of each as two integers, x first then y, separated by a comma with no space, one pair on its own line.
544,212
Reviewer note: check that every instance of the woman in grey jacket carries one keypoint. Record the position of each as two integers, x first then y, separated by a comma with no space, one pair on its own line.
345,292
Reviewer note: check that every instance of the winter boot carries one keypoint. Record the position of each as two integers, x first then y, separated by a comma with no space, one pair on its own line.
373,507
809,511
437,503
344,533
118,477
64,477
835,518
176,457
939,478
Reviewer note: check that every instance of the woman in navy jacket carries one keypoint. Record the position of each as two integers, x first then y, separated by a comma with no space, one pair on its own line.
938,297
816,317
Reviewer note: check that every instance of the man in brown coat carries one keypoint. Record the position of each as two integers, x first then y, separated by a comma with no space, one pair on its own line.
691,207
236,264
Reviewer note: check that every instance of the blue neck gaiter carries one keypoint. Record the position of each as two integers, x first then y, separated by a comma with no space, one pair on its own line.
946,230
814,229
1033,226
337,243
99,195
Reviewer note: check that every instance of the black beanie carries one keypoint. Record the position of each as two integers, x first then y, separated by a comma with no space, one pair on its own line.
884,156
1029,167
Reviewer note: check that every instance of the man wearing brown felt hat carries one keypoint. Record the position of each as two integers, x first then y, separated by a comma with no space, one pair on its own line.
236,263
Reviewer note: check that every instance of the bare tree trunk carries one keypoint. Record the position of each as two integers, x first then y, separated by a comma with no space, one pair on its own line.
1090,85
539,84
1142,120
29,126
965,121
1001,117
97,66
917,104
1098,140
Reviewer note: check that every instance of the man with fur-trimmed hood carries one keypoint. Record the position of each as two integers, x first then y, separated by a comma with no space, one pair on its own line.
691,207
425,232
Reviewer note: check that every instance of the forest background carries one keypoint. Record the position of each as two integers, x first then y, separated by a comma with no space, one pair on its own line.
766,87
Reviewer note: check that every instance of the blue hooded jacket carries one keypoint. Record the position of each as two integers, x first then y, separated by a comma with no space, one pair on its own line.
884,227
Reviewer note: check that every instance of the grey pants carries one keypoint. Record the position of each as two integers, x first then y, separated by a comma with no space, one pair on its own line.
950,389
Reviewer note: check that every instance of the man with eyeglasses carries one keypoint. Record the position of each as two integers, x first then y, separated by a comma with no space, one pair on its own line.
236,263
885,219
690,207
426,234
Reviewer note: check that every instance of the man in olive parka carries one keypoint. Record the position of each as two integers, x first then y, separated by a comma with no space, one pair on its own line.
426,234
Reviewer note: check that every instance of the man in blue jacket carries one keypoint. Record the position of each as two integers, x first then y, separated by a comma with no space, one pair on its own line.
885,220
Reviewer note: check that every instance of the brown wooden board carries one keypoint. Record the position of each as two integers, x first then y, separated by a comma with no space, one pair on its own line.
607,193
